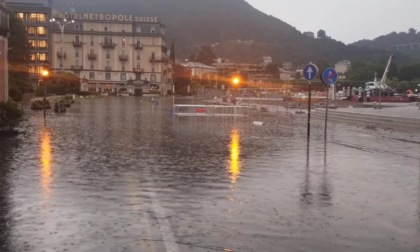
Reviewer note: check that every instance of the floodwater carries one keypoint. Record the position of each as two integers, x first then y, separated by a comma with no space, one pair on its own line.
118,174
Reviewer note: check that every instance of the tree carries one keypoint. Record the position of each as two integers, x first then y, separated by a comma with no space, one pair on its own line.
273,69
182,79
18,57
321,34
60,83
206,55
412,31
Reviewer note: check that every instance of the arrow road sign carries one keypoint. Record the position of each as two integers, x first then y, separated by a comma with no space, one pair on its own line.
329,76
310,71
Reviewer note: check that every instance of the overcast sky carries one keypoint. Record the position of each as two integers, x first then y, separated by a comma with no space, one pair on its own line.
345,20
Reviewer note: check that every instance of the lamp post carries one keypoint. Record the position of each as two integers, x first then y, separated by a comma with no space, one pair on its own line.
61,23
45,74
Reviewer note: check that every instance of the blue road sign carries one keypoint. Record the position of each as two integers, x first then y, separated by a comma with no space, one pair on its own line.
329,76
310,71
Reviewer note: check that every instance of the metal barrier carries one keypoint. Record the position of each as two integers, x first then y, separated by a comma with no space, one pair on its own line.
193,110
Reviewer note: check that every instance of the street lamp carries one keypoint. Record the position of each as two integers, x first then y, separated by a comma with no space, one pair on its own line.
61,23
45,73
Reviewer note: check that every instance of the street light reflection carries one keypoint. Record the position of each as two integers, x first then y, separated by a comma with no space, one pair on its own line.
46,163
234,162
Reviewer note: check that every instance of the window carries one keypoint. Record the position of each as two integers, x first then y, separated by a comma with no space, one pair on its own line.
32,57
123,41
21,16
41,31
138,56
77,62
42,17
153,29
76,53
108,63
108,55
32,43
152,77
42,57
106,28
32,17
123,77
42,44
91,75
92,40
138,66
31,31
138,76
138,29
77,27
77,39
107,76
92,65
123,67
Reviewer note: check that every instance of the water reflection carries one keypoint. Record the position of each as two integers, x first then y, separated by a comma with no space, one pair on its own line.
234,162
46,162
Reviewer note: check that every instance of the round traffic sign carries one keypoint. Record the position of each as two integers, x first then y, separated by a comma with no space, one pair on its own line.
310,71
329,76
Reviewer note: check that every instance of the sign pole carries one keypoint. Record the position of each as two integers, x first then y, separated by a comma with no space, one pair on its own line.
329,78
326,115
309,73
309,112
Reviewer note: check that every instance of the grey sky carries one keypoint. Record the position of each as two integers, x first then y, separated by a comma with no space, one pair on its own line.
345,20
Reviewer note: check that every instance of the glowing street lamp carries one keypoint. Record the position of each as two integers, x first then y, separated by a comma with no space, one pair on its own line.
61,23
45,73
236,81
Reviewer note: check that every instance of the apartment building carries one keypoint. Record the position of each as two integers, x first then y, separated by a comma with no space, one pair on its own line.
4,28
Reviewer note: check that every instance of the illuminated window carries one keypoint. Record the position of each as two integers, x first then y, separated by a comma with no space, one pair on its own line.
21,16
32,17
42,44
42,56
32,57
42,17
41,31
32,43
31,31
32,70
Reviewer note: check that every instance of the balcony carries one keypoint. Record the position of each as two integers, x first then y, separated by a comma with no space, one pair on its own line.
108,45
108,68
138,70
61,55
138,46
123,57
76,68
155,59
92,56
77,43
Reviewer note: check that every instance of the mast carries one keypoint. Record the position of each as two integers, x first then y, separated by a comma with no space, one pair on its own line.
383,84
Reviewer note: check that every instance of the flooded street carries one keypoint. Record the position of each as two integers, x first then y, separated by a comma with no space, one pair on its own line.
118,174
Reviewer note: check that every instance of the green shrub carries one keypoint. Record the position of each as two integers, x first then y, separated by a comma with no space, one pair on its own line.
10,115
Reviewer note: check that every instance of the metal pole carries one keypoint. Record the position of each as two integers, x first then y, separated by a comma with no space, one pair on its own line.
61,45
309,111
380,96
326,115
44,100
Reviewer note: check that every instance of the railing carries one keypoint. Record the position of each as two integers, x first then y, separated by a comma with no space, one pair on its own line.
138,46
76,67
92,56
155,59
138,70
77,44
123,57
109,45
61,55
208,110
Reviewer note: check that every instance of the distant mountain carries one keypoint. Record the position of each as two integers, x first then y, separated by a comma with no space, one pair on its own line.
235,29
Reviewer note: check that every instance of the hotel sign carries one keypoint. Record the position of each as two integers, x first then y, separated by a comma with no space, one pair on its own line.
108,17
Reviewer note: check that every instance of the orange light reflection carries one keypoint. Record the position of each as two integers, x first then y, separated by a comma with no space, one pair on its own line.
46,163
234,162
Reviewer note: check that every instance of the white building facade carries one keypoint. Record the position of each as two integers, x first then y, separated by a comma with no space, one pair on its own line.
108,50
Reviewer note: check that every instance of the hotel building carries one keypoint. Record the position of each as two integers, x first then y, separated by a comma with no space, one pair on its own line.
107,51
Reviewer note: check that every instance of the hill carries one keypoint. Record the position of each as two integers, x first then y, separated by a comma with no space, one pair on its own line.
235,29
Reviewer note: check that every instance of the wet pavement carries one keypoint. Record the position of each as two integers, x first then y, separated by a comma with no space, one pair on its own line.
118,174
